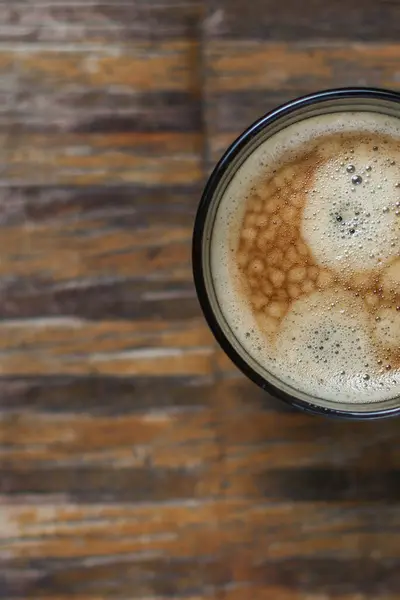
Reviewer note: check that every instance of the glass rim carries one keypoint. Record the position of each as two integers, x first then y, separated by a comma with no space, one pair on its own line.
358,411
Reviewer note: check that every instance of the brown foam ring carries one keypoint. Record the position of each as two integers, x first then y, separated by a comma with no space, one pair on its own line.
277,267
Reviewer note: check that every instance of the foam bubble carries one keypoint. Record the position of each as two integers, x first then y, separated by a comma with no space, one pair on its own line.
332,347
354,231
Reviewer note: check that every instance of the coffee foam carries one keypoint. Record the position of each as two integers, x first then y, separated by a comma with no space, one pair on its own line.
305,256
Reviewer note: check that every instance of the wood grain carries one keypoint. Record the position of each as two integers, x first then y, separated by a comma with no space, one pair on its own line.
73,21
135,462
317,20
248,79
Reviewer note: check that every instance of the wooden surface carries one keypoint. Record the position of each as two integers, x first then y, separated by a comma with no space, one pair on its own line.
136,462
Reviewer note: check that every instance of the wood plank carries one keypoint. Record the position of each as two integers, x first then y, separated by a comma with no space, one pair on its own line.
132,86
224,531
186,578
232,591
33,256
249,78
271,19
73,347
43,522
74,21
160,158
106,298
35,442
56,259
137,65
102,396
236,451
97,484
84,108
240,536
48,441
124,205
104,110
271,66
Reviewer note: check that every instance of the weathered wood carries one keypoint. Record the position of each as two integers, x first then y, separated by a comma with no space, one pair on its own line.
249,78
104,396
294,473
135,462
315,20
187,577
252,66
148,230
78,159
72,21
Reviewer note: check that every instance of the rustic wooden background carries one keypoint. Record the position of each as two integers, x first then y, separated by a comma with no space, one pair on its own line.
136,462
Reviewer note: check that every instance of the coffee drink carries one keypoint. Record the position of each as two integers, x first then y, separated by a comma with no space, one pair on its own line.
305,256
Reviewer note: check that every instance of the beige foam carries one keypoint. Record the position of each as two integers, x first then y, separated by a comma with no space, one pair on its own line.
298,241
367,210
387,327
325,338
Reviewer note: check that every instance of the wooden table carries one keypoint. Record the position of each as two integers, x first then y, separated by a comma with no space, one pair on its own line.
136,462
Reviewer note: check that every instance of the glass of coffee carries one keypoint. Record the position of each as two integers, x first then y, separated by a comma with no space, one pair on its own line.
296,253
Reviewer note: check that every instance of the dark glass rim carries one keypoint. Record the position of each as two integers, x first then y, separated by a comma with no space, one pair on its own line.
230,154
